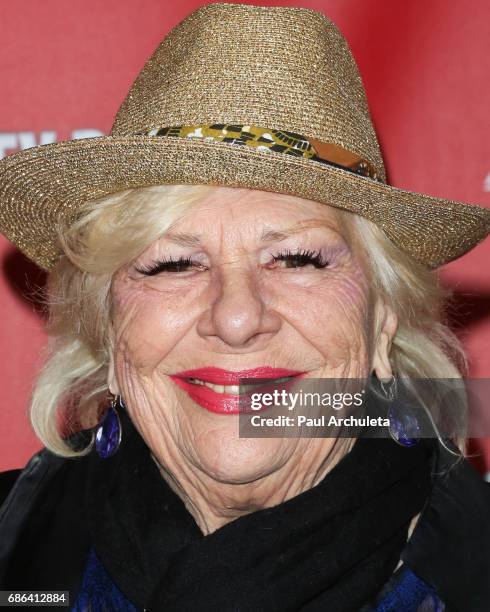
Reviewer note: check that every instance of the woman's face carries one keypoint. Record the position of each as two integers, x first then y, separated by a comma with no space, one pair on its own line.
246,300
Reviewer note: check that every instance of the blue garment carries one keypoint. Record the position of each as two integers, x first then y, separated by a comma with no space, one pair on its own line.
99,593
409,593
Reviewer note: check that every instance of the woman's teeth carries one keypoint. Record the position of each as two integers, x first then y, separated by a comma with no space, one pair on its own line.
233,389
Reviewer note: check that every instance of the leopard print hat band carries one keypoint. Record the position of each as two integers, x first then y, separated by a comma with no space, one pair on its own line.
266,139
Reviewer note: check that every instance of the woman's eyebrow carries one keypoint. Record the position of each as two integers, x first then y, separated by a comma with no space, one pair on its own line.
183,238
268,234
272,235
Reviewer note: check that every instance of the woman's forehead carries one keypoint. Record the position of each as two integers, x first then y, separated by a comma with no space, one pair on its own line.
263,210
220,194
273,231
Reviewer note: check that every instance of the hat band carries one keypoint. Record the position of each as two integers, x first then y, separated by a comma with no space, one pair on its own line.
265,139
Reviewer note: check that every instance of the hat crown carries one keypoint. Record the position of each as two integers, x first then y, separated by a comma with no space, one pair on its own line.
283,68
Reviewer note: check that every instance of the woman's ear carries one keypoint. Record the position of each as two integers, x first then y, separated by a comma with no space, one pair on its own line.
386,326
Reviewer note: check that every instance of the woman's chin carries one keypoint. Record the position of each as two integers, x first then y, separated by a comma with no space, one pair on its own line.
240,460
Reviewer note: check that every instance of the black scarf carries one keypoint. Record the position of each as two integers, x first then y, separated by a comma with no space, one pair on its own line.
332,547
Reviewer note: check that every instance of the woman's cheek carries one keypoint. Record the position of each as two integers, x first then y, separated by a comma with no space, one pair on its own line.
339,316
333,298
142,326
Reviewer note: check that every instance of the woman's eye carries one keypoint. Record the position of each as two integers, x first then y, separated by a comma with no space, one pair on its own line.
293,260
167,265
301,259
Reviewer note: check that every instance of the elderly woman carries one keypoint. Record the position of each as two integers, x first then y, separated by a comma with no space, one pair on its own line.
237,224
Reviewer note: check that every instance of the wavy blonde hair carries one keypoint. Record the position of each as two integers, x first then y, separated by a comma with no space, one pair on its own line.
71,387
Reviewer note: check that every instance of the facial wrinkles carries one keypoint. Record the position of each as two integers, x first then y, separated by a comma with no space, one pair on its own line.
178,438
336,306
344,295
350,335
156,403
344,300
144,317
323,323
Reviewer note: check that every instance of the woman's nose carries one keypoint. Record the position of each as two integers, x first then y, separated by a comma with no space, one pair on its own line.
239,315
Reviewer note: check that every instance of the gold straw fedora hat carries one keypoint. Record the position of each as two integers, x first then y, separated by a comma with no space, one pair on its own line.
267,98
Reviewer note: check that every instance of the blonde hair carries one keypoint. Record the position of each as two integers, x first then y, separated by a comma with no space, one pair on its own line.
115,229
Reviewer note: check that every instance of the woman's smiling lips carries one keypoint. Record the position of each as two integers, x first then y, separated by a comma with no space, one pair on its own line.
208,386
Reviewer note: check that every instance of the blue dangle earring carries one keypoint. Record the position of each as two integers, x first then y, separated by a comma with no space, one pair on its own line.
404,426
109,432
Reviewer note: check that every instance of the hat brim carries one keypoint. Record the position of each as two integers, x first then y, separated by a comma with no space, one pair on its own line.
39,184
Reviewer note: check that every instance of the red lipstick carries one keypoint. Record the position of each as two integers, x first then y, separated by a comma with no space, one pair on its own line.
226,403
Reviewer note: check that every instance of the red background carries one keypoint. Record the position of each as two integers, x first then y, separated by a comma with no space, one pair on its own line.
66,67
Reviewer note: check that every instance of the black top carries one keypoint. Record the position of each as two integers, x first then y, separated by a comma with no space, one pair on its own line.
45,538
